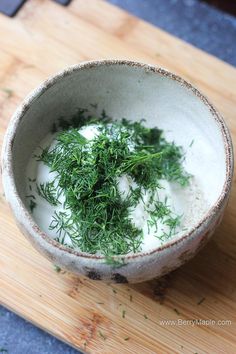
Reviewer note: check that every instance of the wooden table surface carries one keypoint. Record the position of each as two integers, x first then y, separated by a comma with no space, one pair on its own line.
42,39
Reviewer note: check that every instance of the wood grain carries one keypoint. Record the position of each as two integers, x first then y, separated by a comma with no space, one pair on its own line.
42,39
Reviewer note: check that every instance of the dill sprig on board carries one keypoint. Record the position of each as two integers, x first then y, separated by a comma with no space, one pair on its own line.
96,217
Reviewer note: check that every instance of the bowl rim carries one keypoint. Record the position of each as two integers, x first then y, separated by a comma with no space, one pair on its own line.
7,155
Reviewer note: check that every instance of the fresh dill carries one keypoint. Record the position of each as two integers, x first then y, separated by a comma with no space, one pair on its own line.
62,223
191,144
8,91
201,300
177,311
57,268
32,205
32,179
49,192
102,335
95,216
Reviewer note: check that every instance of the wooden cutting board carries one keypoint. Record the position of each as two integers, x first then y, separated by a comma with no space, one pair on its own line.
92,316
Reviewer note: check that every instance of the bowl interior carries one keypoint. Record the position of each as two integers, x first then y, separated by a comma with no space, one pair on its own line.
133,92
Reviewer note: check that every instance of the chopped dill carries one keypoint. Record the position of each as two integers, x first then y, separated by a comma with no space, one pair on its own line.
191,144
49,192
123,313
177,311
114,291
57,268
62,224
102,335
145,316
127,338
95,216
201,300
32,205
131,298
8,91
32,179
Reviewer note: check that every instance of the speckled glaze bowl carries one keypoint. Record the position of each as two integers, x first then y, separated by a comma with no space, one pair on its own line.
132,90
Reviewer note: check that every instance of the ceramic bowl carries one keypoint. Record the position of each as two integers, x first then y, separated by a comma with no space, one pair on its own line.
132,90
